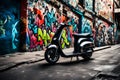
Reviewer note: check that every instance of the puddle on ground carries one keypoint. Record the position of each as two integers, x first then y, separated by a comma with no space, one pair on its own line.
104,67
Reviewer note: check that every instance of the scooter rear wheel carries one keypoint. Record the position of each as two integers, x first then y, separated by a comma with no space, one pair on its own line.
51,55
87,55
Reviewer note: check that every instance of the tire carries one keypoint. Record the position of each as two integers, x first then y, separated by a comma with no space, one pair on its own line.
87,55
51,55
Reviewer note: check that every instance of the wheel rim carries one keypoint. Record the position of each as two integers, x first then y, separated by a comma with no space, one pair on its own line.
88,55
52,55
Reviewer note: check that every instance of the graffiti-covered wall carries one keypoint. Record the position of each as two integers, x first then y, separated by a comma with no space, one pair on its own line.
31,24
89,5
104,33
43,19
87,26
104,30
104,8
9,25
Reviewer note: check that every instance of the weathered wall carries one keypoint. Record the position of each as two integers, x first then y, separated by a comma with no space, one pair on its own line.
43,19
105,32
9,25
40,18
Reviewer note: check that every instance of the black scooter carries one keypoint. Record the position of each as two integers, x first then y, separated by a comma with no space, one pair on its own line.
83,46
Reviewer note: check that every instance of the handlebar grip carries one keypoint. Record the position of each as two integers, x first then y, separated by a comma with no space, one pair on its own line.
65,25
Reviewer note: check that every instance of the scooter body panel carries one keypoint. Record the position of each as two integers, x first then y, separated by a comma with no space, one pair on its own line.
80,43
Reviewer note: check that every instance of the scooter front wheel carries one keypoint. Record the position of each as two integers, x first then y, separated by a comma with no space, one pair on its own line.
51,55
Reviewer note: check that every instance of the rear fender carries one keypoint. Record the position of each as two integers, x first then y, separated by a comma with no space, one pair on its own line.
81,39
85,43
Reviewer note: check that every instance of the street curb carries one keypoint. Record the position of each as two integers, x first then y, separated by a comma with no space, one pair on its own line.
102,48
34,61
19,63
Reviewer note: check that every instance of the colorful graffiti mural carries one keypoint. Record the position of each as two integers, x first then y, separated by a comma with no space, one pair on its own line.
105,8
74,3
87,26
40,22
89,5
104,34
43,19
9,25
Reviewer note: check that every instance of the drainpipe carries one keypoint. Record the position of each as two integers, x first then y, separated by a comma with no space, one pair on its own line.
23,27
94,14
94,19
80,24
114,33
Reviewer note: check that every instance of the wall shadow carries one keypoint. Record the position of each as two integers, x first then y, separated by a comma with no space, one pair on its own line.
66,63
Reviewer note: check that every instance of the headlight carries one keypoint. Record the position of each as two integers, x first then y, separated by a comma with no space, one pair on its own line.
54,38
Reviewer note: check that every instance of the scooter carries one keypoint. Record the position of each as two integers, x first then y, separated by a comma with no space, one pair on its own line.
83,46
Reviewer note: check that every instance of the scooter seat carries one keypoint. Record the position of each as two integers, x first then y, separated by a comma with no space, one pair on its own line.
73,54
82,35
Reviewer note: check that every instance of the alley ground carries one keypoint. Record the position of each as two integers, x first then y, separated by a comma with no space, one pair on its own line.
105,61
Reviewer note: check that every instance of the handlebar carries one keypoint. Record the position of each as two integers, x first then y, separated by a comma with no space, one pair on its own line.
64,25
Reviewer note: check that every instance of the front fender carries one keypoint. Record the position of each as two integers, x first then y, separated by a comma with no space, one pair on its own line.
52,46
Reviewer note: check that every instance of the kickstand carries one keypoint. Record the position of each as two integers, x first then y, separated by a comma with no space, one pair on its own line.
71,59
77,58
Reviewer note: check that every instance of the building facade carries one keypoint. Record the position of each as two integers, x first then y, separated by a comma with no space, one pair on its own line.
117,19
39,19
9,26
